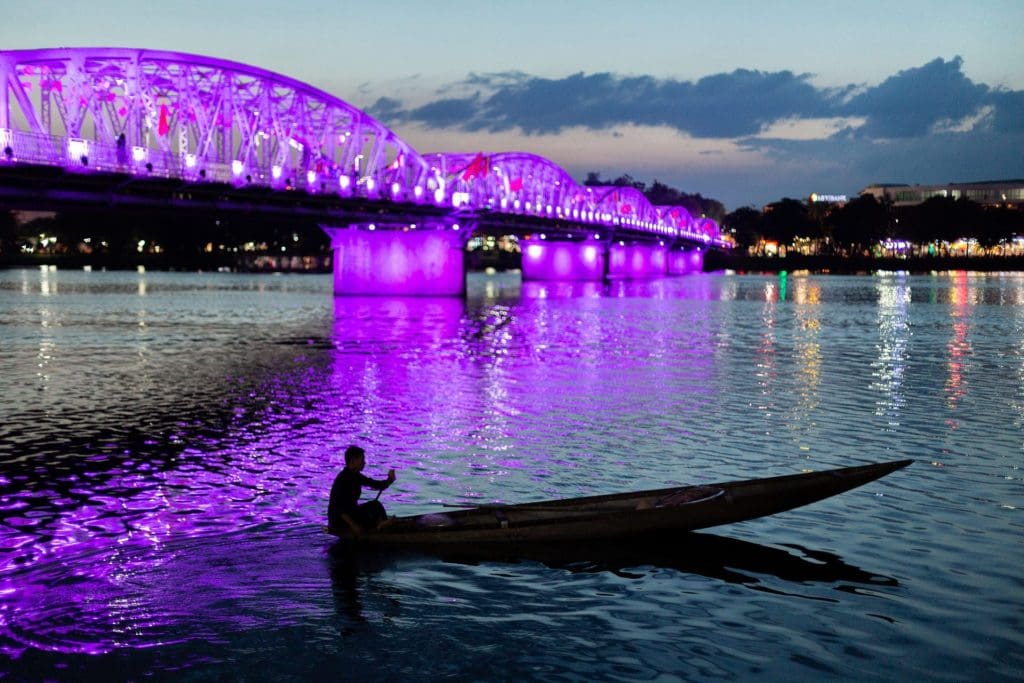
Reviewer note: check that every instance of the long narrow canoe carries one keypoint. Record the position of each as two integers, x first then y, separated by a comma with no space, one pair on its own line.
625,515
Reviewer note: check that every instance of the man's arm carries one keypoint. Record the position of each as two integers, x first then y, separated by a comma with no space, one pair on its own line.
356,529
379,484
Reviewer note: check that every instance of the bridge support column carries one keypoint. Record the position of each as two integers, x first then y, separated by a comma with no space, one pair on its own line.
683,261
553,260
390,260
637,261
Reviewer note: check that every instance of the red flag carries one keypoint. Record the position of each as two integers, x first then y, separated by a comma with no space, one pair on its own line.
479,166
515,185
163,128
626,209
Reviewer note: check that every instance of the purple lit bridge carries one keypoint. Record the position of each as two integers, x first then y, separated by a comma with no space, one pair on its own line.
128,127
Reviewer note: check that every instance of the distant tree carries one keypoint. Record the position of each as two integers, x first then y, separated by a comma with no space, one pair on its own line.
745,222
1000,223
783,220
661,194
9,232
858,224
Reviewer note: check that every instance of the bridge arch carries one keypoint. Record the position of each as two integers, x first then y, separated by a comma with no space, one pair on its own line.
178,115
183,115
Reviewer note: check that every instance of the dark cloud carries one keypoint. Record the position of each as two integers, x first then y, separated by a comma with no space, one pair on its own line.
721,106
929,124
1009,111
913,101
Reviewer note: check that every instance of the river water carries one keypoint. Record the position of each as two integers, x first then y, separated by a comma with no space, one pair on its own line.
167,442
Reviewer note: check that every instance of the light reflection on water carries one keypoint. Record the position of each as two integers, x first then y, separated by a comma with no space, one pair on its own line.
167,441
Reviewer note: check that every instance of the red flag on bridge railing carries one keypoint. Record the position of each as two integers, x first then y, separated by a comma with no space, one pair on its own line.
480,165
515,185
163,127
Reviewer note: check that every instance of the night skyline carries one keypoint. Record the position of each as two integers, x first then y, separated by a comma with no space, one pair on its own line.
732,101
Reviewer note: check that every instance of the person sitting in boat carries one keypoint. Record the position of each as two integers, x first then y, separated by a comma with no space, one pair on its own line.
344,510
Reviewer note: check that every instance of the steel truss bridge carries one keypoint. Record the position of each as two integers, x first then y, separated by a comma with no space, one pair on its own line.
201,121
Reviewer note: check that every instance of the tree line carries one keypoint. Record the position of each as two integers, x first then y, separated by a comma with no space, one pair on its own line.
860,224
659,194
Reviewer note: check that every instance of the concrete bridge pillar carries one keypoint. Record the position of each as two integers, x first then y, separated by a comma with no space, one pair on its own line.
637,261
389,260
683,261
554,260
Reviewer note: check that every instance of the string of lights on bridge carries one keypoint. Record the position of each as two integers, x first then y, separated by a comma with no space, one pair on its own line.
201,119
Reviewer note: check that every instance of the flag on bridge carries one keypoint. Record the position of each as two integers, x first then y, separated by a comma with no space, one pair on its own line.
479,166
163,127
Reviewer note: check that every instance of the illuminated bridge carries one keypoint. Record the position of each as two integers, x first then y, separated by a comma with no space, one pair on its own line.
208,129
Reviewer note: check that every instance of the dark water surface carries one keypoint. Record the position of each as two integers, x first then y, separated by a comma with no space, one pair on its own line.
167,441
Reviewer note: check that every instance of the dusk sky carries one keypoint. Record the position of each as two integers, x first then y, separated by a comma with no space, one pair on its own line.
740,101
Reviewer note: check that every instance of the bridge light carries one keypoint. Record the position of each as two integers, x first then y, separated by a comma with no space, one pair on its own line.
455,226
138,153
395,189
237,167
418,191
549,208
438,195
311,177
372,226
275,172
190,161
370,184
344,181
79,150
515,205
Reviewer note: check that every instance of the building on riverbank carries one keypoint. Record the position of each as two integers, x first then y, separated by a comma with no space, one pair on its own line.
987,193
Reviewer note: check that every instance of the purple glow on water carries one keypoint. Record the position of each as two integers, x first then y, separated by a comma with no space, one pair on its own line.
168,440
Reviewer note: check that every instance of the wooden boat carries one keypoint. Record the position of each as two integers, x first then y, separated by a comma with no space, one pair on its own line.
624,515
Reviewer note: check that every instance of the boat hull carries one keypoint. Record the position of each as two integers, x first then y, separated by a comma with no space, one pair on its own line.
627,515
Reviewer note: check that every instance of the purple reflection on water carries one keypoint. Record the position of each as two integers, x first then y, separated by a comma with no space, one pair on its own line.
135,544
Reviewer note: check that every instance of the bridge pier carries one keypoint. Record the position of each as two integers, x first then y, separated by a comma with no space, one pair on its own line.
555,260
552,260
637,261
425,260
684,261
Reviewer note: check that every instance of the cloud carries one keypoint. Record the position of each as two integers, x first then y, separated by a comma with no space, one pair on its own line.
754,129
719,106
913,101
935,97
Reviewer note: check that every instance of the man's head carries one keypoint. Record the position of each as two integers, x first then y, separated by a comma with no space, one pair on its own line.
355,458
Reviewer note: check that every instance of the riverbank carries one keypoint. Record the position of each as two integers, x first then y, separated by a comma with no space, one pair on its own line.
322,263
859,264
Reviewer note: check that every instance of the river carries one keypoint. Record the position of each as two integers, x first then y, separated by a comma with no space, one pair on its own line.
167,442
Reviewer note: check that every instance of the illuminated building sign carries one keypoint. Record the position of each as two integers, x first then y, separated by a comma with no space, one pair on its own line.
815,197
